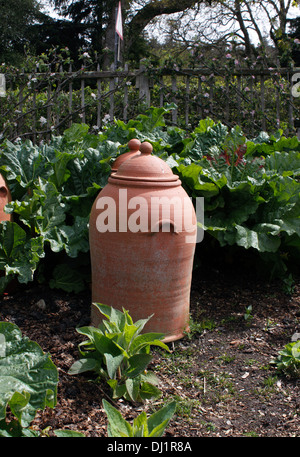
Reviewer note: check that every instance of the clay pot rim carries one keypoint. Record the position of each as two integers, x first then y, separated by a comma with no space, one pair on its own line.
143,181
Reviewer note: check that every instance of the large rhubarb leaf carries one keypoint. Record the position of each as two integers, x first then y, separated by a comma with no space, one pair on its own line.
19,255
28,377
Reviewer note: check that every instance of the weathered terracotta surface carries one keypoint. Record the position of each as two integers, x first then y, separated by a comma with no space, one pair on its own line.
145,272
5,197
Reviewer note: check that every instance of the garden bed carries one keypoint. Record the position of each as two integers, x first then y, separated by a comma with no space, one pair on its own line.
219,373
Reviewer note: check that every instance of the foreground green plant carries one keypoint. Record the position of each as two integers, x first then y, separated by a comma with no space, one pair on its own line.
288,360
28,380
143,426
248,316
117,352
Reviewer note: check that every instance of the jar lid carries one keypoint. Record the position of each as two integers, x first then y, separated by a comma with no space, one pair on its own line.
134,149
145,167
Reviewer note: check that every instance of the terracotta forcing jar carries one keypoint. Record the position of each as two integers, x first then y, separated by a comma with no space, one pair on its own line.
5,197
134,149
142,240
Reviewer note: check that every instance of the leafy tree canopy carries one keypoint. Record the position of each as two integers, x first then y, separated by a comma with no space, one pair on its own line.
97,19
17,16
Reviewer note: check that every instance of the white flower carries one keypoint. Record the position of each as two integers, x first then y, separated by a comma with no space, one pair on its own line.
42,120
86,55
94,96
106,118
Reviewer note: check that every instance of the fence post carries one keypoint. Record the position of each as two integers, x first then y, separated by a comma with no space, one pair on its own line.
99,107
291,110
125,105
239,100
211,96
199,100
82,101
226,99
174,91
34,108
143,85
48,110
111,97
161,91
70,95
187,100
277,107
20,121
262,100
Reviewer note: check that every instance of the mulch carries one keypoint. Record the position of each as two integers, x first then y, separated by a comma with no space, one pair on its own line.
220,374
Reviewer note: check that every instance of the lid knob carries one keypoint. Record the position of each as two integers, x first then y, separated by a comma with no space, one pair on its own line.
134,145
146,148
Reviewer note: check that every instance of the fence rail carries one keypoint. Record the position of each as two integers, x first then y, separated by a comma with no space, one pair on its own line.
37,104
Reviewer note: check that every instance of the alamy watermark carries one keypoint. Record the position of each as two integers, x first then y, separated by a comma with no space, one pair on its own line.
296,86
151,217
2,85
2,345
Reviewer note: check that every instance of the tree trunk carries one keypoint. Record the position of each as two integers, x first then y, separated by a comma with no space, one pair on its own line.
247,40
150,11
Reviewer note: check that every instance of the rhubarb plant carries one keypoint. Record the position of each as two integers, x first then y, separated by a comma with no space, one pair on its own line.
250,187
28,381
118,353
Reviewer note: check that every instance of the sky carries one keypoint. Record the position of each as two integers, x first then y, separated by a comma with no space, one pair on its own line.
155,30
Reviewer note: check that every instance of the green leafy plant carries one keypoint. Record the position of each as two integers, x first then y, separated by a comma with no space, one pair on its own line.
28,380
288,360
53,187
248,316
250,188
143,426
288,285
119,353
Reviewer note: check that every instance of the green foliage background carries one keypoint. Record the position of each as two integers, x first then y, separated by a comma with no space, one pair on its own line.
250,186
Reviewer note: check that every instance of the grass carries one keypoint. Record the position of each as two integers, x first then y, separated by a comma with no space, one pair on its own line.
199,327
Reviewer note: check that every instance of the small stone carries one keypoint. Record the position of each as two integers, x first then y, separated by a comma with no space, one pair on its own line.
245,375
295,337
41,304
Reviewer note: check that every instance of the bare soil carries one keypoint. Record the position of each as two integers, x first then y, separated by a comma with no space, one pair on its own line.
220,373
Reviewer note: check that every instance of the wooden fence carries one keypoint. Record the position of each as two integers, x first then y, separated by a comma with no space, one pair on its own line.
38,104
